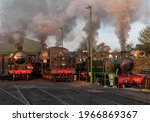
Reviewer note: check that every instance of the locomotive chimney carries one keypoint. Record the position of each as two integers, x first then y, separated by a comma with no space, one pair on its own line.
20,48
123,54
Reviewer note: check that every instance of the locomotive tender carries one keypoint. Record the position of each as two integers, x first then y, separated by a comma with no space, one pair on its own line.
57,64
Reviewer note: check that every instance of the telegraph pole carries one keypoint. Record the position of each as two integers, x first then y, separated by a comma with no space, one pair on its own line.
91,42
62,35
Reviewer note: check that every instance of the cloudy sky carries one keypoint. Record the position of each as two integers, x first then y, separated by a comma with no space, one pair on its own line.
115,22
107,35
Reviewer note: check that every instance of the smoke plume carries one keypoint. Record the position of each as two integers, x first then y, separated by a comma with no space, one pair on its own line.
122,13
43,18
16,16
43,28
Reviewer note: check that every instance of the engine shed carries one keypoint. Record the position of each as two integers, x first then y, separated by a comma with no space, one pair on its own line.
30,47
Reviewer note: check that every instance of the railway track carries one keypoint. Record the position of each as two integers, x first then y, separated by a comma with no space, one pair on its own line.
13,96
38,96
54,96
100,96
118,96
104,95
34,96
24,98
77,96
96,96
133,98
60,94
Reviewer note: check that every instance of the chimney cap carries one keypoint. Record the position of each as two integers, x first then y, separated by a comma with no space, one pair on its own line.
123,54
20,47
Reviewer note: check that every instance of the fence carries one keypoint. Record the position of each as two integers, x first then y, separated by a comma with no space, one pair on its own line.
108,79
102,78
146,84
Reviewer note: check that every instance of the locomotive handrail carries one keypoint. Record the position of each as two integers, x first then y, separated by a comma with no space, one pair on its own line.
104,79
95,77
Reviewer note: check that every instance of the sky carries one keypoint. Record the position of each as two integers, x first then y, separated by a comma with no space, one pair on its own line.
106,34
41,20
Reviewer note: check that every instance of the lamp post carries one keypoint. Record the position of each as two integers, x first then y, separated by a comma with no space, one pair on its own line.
91,41
62,35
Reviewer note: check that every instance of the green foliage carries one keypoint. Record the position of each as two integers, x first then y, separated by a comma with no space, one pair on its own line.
144,39
145,47
102,47
99,51
144,35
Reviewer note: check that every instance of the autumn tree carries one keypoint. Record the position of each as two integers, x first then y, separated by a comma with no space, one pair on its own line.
84,45
144,39
102,47
144,35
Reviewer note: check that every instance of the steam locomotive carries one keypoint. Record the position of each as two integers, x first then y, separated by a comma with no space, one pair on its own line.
19,65
57,64
123,68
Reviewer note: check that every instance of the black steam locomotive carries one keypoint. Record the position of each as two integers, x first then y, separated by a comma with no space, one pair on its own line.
123,67
57,64
19,65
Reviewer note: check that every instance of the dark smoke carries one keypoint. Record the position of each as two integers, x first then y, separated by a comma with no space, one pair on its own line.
16,16
122,13
43,27
43,18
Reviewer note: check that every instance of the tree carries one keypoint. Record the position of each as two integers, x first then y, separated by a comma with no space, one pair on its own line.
102,50
102,47
84,45
116,52
144,35
145,47
144,39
